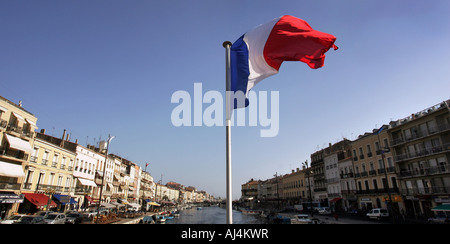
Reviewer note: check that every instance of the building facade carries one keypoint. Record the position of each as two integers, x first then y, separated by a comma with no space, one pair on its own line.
421,149
49,173
375,172
17,127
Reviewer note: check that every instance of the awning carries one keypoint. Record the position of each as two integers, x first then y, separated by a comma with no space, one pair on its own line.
443,207
154,204
118,204
64,199
123,201
18,116
107,205
11,170
19,144
39,200
86,182
134,205
336,199
30,122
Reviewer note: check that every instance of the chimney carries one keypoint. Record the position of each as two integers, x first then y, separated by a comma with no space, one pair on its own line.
20,103
62,139
68,137
76,141
43,131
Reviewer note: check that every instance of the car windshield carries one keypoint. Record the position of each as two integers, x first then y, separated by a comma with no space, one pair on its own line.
27,219
51,216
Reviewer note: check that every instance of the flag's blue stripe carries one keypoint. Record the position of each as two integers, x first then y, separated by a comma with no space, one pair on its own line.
239,67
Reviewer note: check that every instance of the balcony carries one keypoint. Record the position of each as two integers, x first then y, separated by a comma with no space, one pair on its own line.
389,170
422,153
345,176
419,134
377,191
420,172
9,186
19,131
12,153
425,191
44,162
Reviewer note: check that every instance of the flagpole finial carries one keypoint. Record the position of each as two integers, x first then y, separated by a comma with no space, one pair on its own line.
227,44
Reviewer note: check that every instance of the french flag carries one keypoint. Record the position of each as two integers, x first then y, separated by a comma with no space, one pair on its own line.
260,52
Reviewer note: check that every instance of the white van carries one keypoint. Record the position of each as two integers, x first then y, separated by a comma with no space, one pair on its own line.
378,213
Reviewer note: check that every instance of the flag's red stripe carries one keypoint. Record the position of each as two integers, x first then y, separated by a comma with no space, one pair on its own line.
292,39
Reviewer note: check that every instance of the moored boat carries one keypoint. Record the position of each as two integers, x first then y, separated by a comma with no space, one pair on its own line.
251,212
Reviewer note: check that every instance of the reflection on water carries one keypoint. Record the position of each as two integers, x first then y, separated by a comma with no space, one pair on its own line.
213,215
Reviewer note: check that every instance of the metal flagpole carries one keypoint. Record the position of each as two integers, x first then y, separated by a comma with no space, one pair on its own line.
227,46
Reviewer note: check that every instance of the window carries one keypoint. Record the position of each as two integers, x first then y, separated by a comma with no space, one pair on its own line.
59,181
52,177
380,164
63,162
369,151
375,184
386,143
390,164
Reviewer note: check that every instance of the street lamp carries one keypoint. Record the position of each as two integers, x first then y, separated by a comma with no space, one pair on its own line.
103,177
308,172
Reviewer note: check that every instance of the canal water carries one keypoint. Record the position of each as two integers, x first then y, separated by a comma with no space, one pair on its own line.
213,215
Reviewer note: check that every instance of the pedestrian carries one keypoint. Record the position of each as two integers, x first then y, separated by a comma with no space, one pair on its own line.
336,216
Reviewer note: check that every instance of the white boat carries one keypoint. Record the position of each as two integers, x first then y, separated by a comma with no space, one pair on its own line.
160,219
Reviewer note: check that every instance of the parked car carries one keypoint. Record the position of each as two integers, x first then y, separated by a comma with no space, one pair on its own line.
31,219
439,218
55,218
90,214
74,218
325,211
378,213
43,213
12,219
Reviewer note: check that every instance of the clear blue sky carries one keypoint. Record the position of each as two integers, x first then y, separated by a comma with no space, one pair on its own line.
100,67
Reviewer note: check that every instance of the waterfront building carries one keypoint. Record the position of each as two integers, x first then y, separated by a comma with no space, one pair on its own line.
267,192
116,182
49,173
84,176
375,171
108,168
147,188
320,194
347,180
294,187
421,150
17,127
332,155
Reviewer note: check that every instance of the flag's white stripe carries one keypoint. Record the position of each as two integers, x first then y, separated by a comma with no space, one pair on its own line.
256,40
